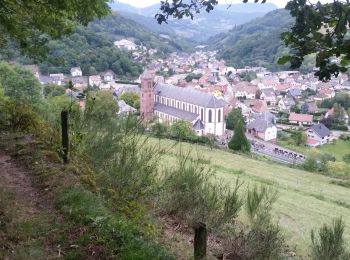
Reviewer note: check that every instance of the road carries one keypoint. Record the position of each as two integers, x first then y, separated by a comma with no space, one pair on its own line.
271,150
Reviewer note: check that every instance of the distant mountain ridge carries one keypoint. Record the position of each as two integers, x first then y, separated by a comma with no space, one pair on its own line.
203,26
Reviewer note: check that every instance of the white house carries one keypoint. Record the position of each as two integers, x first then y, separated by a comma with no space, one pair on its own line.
263,129
125,45
318,135
286,103
95,80
108,76
76,72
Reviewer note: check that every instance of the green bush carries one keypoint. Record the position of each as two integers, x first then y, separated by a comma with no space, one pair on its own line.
188,193
329,242
263,240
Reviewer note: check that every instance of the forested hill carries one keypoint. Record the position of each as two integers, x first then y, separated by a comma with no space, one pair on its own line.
256,43
118,26
93,50
203,26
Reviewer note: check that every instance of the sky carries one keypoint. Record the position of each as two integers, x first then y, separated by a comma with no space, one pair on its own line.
144,3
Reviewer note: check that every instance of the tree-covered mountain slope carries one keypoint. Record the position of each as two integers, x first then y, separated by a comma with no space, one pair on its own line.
256,43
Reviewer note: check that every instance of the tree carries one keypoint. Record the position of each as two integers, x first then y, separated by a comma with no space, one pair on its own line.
329,242
101,106
233,117
31,24
299,137
182,130
239,141
20,84
131,98
319,28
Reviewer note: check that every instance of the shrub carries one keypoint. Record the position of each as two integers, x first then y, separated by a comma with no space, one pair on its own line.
264,239
188,193
329,242
159,130
346,158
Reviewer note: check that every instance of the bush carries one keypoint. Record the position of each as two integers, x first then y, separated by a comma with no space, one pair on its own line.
346,158
188,193
19,118
329,242
340,127
264,239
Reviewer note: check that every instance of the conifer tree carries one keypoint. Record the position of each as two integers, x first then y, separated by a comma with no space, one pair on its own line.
239,141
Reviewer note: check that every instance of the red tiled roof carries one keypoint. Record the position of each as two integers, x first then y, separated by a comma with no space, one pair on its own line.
301,117
311,142
260,106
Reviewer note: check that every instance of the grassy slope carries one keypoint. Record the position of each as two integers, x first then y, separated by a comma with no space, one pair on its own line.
306,200
338,150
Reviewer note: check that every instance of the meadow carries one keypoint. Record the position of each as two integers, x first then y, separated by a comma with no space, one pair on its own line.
338,149
305,200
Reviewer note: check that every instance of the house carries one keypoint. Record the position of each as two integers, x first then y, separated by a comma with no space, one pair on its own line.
80,83
95,80
170,103
268,94
108,76
259,106
125,45
301,119
125,109
263,129
318,135
76,72
295,93
244,90
286,104
309,107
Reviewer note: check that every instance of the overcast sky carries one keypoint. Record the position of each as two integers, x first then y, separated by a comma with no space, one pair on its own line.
144,3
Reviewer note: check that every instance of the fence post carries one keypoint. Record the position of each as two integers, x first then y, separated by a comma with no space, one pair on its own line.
200,241
65,135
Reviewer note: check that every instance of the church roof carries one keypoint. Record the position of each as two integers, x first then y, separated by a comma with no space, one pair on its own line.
175,112
189,95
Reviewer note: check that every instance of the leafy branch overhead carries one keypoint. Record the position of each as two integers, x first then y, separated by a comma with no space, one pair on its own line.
320,29
26,21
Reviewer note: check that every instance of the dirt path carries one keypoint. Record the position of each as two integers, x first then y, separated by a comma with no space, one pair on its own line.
15,180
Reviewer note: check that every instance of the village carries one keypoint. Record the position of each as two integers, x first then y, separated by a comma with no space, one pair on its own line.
203,91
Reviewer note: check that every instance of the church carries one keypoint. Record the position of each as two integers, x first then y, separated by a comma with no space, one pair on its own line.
170,103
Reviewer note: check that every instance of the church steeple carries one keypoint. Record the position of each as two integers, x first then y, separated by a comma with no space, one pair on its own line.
147,95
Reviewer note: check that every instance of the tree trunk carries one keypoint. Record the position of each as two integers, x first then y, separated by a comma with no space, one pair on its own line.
200,241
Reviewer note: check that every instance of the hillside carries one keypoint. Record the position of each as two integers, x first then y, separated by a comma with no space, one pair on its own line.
305,200
256,43
203,26
93,50
117,26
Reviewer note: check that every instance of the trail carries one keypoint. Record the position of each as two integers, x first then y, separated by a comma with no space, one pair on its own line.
15,180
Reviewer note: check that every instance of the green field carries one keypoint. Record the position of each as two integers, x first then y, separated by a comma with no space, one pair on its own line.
339,149
305,200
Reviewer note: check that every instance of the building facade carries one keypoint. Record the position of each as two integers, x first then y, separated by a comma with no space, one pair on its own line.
170,103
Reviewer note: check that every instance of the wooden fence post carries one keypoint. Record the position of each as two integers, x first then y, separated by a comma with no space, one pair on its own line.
65,135
200,241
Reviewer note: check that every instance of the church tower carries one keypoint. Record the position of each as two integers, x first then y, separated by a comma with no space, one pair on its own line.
147,95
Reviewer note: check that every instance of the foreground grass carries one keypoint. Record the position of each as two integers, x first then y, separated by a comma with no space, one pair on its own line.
305,201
